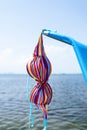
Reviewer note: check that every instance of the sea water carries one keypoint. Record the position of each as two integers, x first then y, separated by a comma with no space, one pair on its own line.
67,111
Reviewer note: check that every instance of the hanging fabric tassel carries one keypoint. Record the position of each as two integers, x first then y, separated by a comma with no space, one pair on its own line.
31,119
40,69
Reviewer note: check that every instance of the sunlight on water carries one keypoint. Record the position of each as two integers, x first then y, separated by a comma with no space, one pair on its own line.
67,111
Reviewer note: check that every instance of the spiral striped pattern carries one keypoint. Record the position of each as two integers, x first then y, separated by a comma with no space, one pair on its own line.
40,69
41,94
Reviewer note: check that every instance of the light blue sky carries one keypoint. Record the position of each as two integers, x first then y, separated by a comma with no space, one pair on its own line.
21,22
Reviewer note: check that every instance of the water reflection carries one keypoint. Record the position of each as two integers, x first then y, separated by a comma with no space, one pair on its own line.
67,111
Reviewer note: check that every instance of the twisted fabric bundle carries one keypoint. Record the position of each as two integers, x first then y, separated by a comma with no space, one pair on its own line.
40,69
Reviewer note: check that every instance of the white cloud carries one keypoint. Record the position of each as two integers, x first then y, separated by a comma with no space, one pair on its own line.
62,58
5,54
11,62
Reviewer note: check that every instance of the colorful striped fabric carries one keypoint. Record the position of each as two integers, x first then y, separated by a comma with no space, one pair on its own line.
40,69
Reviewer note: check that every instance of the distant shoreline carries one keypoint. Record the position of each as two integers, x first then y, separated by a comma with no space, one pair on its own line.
51,74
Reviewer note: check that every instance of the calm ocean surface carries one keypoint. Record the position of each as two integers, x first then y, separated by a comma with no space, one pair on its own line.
67,111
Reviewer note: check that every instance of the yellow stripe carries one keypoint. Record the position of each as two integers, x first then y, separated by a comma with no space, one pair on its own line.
31,72
40,45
